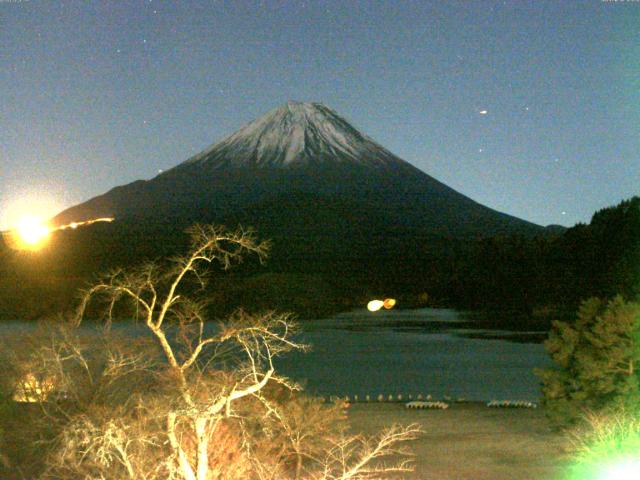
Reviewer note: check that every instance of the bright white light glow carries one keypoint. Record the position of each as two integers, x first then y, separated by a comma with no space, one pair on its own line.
32,231
375,305
41,201
624,470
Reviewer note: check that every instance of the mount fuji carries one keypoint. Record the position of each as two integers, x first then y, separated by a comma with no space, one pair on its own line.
302,170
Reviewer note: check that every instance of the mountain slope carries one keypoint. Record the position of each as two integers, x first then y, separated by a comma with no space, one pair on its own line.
306,149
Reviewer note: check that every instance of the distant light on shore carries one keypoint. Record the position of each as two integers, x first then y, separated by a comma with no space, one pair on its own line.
389,303
375,305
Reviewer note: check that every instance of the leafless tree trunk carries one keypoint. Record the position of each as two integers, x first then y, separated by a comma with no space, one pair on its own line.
156,294
206,387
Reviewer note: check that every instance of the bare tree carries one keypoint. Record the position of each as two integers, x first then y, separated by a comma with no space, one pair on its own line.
358,458
206,403
248,342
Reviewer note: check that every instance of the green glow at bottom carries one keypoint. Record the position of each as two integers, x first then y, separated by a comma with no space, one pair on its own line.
609,449
624,470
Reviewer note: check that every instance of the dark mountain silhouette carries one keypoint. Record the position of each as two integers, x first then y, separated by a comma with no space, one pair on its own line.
349,221
302,171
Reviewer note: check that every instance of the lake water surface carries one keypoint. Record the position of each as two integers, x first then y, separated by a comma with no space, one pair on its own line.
425,351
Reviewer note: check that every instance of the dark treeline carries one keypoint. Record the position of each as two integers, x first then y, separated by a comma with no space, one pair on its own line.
553,274
314,273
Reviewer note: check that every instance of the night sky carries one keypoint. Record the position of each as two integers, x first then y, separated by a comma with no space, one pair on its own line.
531,108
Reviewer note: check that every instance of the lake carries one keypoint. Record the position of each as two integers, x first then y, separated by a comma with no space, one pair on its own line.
425,351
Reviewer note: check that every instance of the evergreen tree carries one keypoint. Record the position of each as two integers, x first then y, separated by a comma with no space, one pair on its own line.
597,361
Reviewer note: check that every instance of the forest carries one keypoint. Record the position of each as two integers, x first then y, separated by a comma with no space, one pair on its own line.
530,280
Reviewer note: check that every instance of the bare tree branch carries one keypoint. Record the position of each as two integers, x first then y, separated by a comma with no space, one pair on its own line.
206,403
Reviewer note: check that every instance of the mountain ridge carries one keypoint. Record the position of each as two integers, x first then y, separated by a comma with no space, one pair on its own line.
302,148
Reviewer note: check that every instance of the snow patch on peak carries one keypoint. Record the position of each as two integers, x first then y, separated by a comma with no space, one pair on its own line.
295,133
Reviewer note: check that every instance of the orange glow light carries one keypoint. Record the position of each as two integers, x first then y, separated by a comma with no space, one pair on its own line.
389,303
74,225
31,233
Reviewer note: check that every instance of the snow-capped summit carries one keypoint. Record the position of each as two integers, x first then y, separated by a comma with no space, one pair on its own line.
295,134
301,168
